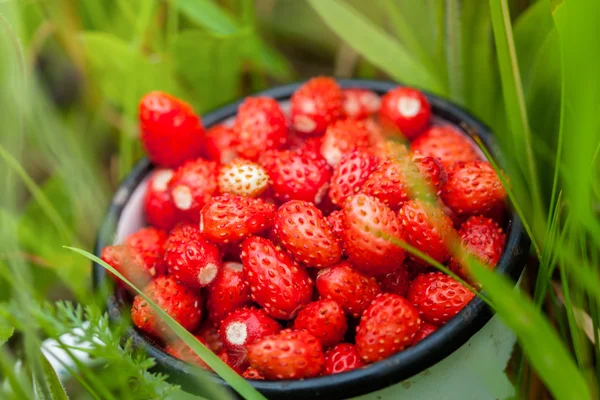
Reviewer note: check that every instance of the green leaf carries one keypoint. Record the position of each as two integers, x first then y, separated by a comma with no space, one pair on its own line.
117,66
543,347
238,383
211,64
376,45
54,385
209,15
6,332
514,98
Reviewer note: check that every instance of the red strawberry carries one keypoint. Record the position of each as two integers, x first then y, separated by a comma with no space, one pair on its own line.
297,175
311,146
150,244
158,208
181,303
191,258
305,234
209,335
130,264
438,297
251,373
325,320
445,144
406,110
371,230
342,137
340,358
395,282
180,350
276,282
482,238
473,188
352,290
360,103
228,292
243,178
427,228
260,125
433,178
386,327
170,130
192,185
287,355
336,222
315,105
243,327
220,144
226,219
426,330
350,174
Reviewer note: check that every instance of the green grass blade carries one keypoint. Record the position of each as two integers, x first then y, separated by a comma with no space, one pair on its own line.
375,45
512,88
57,390
238,383
454,50
6,332
209,15
37,193
407,35
547,354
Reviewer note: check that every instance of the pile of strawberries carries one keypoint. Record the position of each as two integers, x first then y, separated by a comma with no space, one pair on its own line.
276,239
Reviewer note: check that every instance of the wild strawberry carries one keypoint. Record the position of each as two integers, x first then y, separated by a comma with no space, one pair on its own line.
192,185
315,105
406,110
180,350
260,125
340,358
389,183
243,178
228,292
305,234
130,263
342,137
336,222
438,297
445,144
325,320
473,188
395,282
220,144
311,146
150,244
426,330
181,303
170,130
433,178
251,373
243,327
287,355
227,219
360,103
350,174
349,288
372,229
427,228
208,334
191,258
297,175
276,282
158,208
483,239
386,327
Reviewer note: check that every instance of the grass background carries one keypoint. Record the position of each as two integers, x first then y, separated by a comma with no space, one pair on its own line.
73,71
